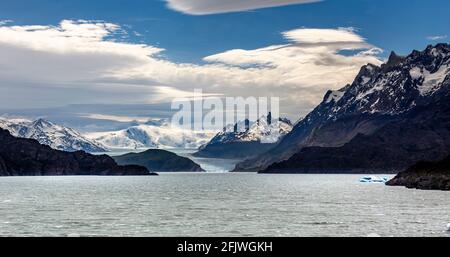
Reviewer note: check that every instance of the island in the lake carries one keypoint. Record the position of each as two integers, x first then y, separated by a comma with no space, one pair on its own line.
27,157
425,176
159,161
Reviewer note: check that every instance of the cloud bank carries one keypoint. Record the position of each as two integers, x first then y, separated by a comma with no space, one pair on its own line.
81,62
202,7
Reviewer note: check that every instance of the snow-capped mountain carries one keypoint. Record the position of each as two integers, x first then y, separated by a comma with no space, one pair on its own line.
144,136
56,136
246,138
378,96
395,87
263,130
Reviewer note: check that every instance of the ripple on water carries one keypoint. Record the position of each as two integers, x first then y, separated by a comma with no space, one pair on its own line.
217,204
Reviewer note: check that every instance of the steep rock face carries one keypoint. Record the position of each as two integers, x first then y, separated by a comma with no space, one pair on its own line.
160,161
425,176
254,138
56,136
27,157
377,97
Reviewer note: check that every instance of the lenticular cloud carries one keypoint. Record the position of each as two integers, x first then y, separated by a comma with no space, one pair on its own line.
202,7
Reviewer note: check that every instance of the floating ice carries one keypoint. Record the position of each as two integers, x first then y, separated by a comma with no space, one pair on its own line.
448,227
373,179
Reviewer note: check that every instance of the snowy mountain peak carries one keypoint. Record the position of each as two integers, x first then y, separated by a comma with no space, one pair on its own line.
41,123
47,133
265,130
394,87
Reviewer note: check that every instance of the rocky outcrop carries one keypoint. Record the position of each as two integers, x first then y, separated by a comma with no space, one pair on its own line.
425,176
27,157
160,161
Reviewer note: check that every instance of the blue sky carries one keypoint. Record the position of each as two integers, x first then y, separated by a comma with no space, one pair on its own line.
147,52
400,25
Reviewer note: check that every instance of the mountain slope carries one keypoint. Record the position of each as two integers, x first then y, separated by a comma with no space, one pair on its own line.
422,134
56,136
377,97
256,138
26,157
159,160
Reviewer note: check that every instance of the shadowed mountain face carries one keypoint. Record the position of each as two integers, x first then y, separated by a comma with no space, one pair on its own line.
422,134
160,161
26,157
425,176
387,119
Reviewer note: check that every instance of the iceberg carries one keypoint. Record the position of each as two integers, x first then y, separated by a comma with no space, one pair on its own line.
373,179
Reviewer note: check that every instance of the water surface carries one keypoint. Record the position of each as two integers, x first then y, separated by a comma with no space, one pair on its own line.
190,204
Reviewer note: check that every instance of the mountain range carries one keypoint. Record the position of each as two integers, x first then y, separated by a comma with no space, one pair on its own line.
389,118
254,138
150,135
56,136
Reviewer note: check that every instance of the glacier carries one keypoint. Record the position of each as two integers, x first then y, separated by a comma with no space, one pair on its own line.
146,136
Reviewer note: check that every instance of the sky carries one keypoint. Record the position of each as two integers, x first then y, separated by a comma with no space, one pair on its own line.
142,53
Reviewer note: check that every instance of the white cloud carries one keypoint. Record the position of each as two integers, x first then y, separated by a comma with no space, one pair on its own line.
312,36
79,62
437,38
202,7
4,22
96,116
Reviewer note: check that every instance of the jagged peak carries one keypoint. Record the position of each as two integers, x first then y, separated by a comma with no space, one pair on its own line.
365,74
390,80
367,70
442,49
395,59
42,122
440,46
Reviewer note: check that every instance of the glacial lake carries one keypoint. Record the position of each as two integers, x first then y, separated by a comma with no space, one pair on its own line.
217,204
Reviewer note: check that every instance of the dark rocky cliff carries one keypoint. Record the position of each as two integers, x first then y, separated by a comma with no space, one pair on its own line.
425,176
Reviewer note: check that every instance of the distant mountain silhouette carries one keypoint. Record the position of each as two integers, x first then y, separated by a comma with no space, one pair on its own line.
159,160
